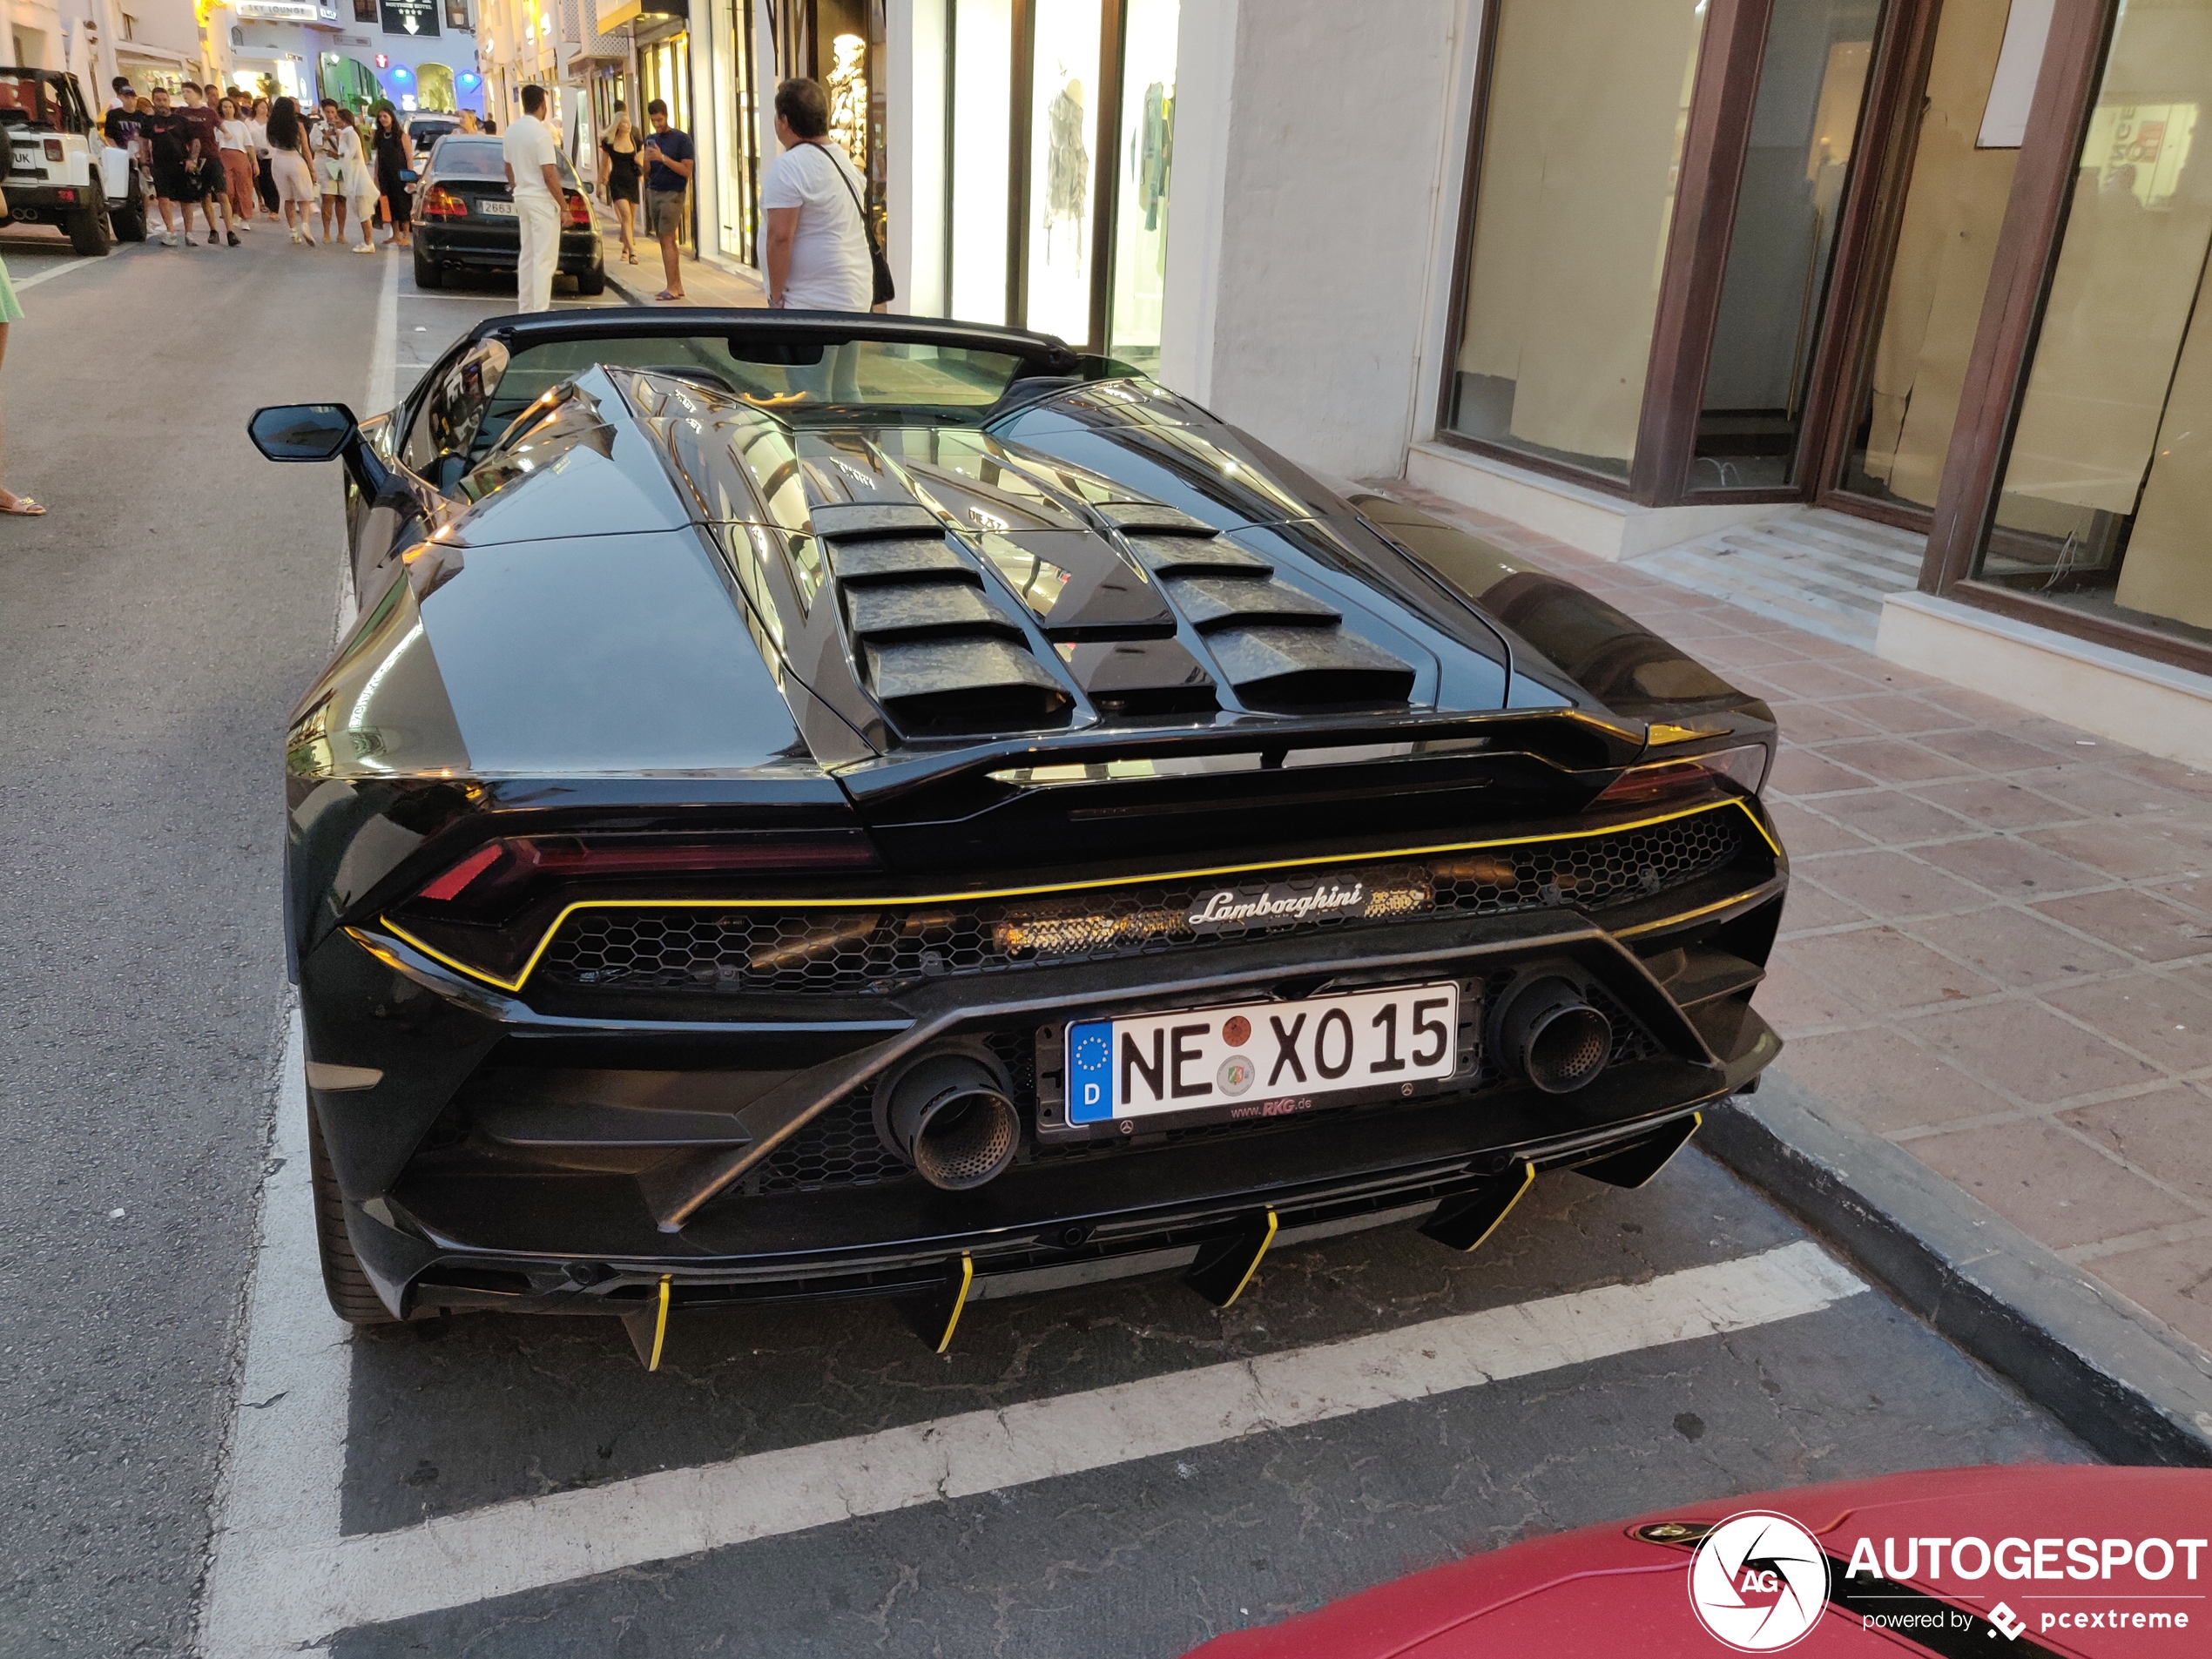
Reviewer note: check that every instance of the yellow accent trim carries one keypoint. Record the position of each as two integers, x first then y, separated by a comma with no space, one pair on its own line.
1259,1255
1665,733
1527,1180
517,982
1642,927
967,1278
660,1326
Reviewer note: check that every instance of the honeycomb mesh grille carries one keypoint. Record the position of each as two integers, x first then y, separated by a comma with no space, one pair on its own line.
878,949
841,1147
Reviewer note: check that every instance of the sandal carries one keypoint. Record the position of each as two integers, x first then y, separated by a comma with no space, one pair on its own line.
21,506
665,295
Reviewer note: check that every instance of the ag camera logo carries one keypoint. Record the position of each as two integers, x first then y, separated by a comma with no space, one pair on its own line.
1758,1583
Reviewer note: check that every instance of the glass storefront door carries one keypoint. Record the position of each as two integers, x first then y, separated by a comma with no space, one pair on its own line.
1906,399
1587,104
1782,243
2105,501
737,113
1060,249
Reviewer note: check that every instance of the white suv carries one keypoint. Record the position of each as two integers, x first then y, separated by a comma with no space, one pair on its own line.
61,169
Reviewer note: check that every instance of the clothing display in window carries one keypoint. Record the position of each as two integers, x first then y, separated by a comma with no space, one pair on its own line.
1154,151
1066,191
848,99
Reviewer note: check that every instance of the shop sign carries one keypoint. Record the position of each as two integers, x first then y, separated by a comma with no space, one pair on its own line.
279,11
409,16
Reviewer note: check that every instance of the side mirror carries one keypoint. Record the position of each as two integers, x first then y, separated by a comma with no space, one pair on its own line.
303,431
323,432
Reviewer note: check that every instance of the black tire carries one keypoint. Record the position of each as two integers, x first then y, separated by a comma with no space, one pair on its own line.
593,281
128,221
90,234
352,1297
429,274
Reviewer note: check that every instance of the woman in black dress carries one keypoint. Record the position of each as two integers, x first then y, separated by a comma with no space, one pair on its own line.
620,175
392,156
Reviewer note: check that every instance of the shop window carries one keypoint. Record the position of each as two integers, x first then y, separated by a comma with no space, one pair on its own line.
1939,272
456,14
364,11
982,48
1782,241
1142,161
1587,105
2105,503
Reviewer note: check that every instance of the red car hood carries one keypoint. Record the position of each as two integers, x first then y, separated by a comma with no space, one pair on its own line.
1607,1590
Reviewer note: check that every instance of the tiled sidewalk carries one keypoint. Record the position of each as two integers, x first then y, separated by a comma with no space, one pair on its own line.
1998,946
705,283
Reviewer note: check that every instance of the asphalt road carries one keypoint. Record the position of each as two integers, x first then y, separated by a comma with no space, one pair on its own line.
154,631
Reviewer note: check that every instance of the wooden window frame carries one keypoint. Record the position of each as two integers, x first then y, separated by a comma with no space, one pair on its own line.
2028,247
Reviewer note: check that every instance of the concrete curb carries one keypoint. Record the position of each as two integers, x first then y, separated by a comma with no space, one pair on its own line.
2129,1387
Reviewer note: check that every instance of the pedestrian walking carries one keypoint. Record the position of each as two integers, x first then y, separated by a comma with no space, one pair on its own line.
361,184
467,119
292,167
264,172
620,176
534,179
11,312
207,166
394,159
818,241
338,151
169,141
668,158
234,142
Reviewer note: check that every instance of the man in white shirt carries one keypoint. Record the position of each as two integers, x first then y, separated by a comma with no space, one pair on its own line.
818,246
534,177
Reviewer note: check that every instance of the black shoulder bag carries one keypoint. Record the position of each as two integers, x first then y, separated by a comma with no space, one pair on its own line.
885,290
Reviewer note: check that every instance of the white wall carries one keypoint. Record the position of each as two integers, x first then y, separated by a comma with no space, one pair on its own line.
1341,136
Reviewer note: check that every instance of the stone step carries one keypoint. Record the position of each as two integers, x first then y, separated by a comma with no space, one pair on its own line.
1848,619
1780,569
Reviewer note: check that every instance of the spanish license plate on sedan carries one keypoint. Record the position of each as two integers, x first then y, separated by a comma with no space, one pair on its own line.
1257,1058
495,209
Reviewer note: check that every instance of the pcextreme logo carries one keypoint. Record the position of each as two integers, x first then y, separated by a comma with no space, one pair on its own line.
1758,1582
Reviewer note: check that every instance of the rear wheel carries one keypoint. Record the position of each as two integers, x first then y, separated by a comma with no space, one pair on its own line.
592,282
89,232
429,274
128,221
352,1297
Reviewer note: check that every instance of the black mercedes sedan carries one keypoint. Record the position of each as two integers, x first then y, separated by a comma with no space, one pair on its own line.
833,805
464,215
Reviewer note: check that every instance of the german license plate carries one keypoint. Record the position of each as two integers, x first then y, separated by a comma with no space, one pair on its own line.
1257,1059
494,208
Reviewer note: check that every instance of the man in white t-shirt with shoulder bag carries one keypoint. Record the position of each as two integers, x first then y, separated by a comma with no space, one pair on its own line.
817,254
533,177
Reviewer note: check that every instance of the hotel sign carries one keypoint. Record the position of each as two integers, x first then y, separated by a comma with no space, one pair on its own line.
409,16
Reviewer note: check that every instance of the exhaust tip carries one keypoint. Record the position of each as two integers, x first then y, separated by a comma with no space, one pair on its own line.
1552,1035
947,1113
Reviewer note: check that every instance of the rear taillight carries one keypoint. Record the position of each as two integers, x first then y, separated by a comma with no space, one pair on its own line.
53,149
1743,768
64,195
438,202
494,881
579,209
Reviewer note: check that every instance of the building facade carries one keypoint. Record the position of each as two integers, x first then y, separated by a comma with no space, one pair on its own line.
1627,272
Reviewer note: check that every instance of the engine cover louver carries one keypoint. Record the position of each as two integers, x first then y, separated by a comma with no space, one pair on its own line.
1279,646
941,655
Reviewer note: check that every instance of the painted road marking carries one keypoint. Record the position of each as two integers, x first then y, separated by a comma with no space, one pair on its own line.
283,1578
